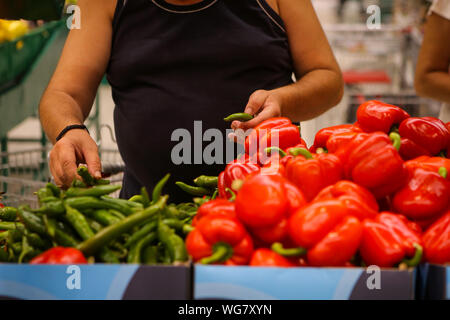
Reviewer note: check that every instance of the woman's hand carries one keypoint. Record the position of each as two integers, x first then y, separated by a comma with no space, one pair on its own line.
263,105
75,147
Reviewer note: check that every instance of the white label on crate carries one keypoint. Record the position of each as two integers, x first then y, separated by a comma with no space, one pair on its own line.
374,20
74,21
74,280
374,280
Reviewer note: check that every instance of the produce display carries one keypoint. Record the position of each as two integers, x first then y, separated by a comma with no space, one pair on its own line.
83,224
376,192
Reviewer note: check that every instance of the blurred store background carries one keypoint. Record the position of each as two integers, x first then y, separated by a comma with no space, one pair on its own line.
377,63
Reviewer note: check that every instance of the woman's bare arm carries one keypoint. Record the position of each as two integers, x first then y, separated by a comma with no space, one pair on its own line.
432,72
69,96
319,83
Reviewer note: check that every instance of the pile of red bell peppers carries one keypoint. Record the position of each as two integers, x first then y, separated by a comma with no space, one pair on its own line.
376,192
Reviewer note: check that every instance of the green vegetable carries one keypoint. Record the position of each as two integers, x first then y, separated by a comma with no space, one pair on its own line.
83,203
156,194
96,191
242,116
52,208
8,214
208,182
79,223
195,191
103,216
150,255
138,235
134,256
112,232
173,243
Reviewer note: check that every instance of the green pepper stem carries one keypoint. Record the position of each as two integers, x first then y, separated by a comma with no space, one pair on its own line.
301,151
321,150
443,172
233,194
396,140
277,149
291,252
220,254
415,260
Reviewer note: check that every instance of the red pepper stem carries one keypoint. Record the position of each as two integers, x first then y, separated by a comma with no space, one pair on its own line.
396,140
443,172
301,151
277,149
291,252
233,194
221,252
321,150
415,260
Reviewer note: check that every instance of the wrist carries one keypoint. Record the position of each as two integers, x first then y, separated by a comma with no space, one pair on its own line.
71,128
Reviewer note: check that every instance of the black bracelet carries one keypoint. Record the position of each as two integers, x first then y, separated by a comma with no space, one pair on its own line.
71,127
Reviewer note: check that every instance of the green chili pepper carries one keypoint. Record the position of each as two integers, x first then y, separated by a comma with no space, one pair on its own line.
195,191
83,203
36,241
156,194
52,208
242,116
94,225
134,256
44,193
135,237
8,214
55,190
208,182
103,216
112,232
32,221
96,191
78,184
137,198
83,172
173,243
79,223
116,214
150,255
4,256
7,225
108,256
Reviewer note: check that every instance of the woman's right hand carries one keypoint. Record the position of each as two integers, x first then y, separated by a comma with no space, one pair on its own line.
74,148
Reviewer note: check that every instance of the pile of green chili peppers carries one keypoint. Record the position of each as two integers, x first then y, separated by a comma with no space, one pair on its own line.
144,229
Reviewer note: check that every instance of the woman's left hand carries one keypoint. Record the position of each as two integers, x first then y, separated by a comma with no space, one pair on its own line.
263,105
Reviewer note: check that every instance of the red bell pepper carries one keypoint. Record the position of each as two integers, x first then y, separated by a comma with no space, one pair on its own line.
429,163
424,197
262,200
358,200
427,135
235,170
390,239
371,161
323,135
436,241
281,130
325,228
221,240
375,115
213,208
311,173
60,255
278,232
267,258
411,150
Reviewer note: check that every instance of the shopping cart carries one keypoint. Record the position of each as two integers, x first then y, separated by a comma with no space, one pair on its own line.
22,173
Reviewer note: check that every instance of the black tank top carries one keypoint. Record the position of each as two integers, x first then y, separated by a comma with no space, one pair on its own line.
171,65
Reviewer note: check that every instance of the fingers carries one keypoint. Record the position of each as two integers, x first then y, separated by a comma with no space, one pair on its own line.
63,164
90,154
254,104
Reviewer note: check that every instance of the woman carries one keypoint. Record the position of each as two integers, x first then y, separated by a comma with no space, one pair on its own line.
432,73
171,62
